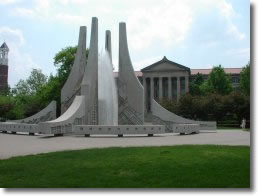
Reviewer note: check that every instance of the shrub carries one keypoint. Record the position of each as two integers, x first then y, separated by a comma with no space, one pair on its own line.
234,106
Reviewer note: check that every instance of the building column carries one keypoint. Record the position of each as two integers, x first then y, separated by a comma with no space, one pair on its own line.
160,88
145,93
178,88
186,84
151,88
169,88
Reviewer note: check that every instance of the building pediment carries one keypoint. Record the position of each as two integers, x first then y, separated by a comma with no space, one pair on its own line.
165,65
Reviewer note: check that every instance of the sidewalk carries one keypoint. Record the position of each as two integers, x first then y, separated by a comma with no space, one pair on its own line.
20,144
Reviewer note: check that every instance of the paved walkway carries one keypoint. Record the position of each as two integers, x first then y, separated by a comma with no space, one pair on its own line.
21,144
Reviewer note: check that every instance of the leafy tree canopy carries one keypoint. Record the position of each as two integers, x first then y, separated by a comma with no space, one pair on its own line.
34,93
31,85
194,86
218,82
245,79
64,60
198,79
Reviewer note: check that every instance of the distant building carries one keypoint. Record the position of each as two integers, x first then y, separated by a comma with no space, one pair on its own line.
233,73
3,67
167,79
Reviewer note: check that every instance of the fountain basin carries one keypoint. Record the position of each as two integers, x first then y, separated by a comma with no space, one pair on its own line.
118,130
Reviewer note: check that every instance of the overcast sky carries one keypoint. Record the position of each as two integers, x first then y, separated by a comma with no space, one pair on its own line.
194,33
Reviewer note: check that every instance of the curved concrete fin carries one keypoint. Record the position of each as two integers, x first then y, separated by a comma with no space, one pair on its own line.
48,113
161,115
130,90
71,87
64,124
89,86
108,45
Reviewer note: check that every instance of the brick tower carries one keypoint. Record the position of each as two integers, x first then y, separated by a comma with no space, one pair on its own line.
3,67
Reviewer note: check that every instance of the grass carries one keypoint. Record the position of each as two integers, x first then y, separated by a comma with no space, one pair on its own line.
187,166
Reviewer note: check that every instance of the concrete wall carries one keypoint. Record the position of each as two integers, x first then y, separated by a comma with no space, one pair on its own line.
19,127
120,129
186,128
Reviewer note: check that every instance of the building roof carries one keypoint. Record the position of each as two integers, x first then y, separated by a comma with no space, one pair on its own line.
137,73
4,45
191,71
195,71
207,71
165,60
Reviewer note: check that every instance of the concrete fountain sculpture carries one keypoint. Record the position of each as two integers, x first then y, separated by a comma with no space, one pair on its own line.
99,107
92,103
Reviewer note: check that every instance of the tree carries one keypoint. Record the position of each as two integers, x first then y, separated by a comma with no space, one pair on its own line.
170,104
194,87
245,79
33,94
199,79
241,106
24,100
31,85
36,80
212,107
218,82
64,60
51,91
6,104
6,91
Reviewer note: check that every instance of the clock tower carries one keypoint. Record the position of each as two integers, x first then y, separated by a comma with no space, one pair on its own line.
3,67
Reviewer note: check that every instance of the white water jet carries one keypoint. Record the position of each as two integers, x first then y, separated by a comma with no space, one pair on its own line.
107,91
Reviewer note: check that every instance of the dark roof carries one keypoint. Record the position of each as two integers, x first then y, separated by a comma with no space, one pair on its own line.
208,71
230,71
137,73
165,60
4,45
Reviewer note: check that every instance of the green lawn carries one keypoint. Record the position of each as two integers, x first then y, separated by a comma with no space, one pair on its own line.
187,166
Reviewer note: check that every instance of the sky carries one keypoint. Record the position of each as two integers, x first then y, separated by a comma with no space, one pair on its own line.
196,33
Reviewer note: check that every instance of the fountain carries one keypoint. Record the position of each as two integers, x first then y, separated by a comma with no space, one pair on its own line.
93,104
101,108
107,91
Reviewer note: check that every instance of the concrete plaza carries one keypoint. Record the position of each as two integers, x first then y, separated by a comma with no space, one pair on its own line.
22,144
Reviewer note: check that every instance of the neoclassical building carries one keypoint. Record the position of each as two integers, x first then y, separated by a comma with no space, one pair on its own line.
167,79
